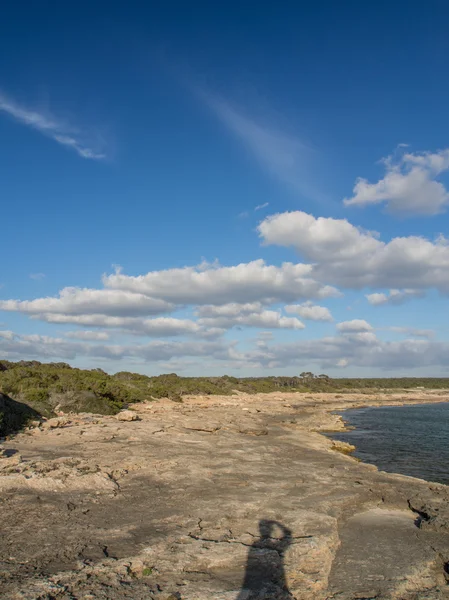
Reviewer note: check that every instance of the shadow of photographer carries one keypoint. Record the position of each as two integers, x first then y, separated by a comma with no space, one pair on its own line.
265,573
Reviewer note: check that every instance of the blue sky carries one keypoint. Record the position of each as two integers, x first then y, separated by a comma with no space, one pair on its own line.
213,188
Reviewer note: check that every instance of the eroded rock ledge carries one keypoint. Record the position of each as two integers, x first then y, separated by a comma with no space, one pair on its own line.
216,498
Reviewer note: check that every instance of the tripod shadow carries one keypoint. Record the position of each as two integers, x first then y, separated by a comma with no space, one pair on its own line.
265,574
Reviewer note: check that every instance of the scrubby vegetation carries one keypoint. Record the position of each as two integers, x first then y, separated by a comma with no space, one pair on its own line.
49,388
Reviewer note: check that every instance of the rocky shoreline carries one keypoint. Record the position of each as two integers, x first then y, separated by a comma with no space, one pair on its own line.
350,439
218,497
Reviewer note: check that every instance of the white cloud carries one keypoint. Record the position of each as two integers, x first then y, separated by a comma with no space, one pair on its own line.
393,297
211,333
354,350
215,284
224,297
356,325
250,314
409,185
412,331
248,295
318,239
347,349
49,126
265,319
83,301
233,309
348,257
342,362
377,298
37,276
265,335
364,331
158,327
6,335
46,347
216,292
261,206
87,335
310,311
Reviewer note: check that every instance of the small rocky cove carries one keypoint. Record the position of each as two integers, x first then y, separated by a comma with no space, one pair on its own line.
412,440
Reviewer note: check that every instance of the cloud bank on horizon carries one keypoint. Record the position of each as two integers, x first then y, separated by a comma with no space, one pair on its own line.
174,316
200,312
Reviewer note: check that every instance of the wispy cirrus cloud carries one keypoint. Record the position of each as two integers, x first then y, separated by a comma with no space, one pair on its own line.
245,213
284,155
48,125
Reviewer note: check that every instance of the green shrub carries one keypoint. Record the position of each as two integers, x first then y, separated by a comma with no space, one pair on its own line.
33,395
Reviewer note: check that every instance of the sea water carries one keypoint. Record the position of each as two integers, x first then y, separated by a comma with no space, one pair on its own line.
412,440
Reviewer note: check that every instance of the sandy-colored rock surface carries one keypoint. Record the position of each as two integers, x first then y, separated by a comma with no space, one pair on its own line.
225,498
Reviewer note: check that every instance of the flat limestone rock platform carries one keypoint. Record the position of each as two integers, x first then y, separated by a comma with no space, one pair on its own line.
220,497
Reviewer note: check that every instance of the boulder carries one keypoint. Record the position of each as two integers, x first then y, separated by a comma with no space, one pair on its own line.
127,415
